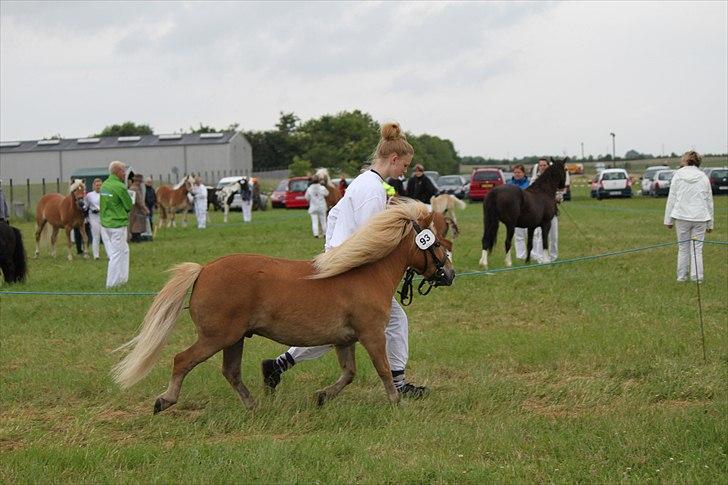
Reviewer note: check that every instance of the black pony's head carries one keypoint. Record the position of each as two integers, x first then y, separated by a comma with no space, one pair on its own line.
557,171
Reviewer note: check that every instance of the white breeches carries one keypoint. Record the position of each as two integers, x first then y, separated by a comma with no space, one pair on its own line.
537,251
247,206
318,222
118,251
95,222
201,213
396,332
689,261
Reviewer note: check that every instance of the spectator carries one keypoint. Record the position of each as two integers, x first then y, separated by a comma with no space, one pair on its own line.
343,185
199,192
397,183
537,251
115,207
420,187
364,198
246,198
520,180
316,195
139,211
690,209
4,214
93,202
150,199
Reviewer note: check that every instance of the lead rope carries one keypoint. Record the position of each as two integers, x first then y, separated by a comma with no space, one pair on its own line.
405,294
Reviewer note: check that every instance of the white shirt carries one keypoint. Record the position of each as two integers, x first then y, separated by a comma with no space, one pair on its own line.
200,194
93,201
363,198
316,197
690,197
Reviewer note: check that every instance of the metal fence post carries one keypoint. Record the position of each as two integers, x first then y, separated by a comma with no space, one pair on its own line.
27,186
58,185
43,191
11,191
169,178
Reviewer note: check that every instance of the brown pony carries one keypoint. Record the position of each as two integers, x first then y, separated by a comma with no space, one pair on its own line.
341,297
334,195
60,211
170,200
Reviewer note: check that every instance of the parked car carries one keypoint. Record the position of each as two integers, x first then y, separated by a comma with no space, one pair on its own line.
482,180
660,184
718,178
278,197
434,176
457,185
646,179
295,193
613,182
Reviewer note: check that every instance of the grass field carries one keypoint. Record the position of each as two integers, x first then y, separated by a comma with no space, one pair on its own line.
583,372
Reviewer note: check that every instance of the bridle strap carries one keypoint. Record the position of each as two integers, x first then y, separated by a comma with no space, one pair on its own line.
406,293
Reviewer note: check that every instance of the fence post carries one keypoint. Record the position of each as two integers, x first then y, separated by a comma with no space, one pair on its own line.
43,185
169,178
11,191
27,186
58,185
205,175
160,179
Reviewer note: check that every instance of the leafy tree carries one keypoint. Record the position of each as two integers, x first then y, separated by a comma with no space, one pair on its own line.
209,129
287,123
128,128
299,167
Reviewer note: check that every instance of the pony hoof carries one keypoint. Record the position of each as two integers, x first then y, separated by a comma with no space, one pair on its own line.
161,404
320,398
70,258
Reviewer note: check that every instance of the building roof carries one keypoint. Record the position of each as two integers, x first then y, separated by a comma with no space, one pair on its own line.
116,142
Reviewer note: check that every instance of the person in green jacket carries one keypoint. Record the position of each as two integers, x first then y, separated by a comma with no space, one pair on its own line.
115,207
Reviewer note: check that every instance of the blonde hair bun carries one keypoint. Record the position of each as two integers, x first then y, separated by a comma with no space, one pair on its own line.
391,131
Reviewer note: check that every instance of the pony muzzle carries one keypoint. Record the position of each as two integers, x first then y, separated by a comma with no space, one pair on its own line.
443,277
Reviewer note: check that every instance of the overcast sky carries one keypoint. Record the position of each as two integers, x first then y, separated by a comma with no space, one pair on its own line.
498,79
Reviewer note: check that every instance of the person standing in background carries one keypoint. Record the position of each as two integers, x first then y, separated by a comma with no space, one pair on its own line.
246,199
420,187
139,212
93,202
689,209
199,192
520,180
316,196
115,207
150,199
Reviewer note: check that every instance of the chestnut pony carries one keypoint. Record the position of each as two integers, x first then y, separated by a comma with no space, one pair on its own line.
334,194
341,297
170,200
65,212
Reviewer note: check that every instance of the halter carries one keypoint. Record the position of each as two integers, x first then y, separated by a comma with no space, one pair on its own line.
405,294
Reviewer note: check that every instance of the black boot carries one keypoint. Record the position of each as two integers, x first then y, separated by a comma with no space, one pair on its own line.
271,374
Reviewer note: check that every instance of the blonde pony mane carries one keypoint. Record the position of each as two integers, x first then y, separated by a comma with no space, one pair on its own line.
76,183
373,241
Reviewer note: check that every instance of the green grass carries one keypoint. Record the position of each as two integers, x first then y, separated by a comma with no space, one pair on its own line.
584,372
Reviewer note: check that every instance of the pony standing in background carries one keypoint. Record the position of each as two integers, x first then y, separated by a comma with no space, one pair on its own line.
446,204
226,194
532,207
12,254
334,196
170,200
60,211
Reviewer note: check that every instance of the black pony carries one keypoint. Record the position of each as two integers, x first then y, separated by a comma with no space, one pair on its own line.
530,208
12,254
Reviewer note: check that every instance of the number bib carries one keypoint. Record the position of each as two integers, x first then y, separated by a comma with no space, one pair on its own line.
425,239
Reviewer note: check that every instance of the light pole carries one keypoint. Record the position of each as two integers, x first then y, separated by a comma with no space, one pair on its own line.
614,152
582,150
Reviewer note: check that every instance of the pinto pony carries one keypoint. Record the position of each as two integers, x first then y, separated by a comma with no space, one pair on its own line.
13,263
532,207
341,297
62,212
334,195
170,200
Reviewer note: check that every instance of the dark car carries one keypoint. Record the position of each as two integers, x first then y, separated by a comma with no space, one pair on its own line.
482,181
457,185
718,178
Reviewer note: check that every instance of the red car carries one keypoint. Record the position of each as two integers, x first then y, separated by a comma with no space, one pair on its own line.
295,193
278,197
482,180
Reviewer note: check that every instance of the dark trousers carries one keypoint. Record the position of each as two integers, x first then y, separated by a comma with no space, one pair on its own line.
79,240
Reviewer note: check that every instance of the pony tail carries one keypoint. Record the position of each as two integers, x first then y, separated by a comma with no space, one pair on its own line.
158,324
490,216
19,259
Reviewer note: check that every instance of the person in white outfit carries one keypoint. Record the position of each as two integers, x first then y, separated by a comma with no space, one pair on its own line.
246,199
93,202
365,197
537,250
199,192
316,196
690,209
